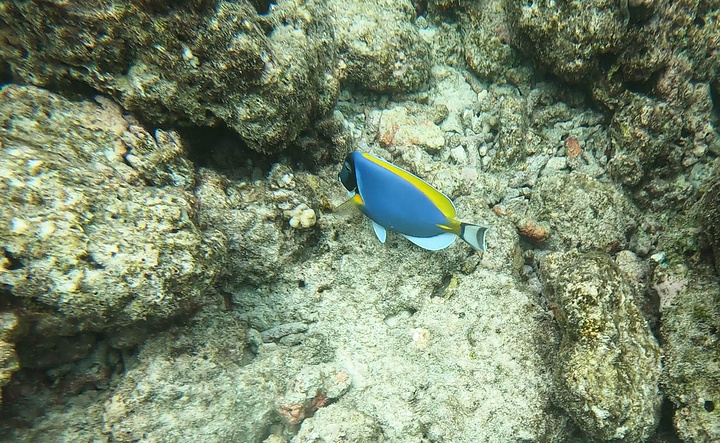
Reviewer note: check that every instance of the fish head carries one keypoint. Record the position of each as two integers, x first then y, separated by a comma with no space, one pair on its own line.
347,174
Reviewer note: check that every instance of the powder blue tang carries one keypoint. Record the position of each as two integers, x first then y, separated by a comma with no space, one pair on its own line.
396,200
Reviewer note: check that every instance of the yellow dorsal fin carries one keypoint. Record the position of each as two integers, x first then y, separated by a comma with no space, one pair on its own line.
443,203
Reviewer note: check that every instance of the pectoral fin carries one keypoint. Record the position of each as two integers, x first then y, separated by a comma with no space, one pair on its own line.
350,205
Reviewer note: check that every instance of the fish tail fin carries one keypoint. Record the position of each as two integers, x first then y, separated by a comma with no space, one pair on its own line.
474,235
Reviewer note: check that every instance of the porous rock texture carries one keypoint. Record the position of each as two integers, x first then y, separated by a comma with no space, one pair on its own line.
264,72
74,192
654,64
686,285
612,44
351,337
10,330
319,332
98,222
486,42
607,372
380,47
690,307
570,38
561,200
709,216
256,220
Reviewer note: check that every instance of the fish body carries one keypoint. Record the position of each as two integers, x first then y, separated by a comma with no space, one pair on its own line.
396,200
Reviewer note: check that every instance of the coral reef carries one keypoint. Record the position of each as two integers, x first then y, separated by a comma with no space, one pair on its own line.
709,216
401,340
74,191
380,48
311,389
199,368
97,227
561,200
257,219
608,370
398,129
690,307
572,38
654,65
689,299
264,73
615,46
145,296
486,42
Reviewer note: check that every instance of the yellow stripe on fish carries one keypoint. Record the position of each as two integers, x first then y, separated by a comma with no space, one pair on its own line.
396,200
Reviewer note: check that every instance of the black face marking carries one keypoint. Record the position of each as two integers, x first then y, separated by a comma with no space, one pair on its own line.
347,174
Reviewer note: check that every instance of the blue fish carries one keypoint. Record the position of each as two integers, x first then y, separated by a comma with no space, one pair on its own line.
396,200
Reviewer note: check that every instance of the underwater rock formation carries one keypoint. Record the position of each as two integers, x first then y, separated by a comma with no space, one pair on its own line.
257,218
614,45
97,228
400,340
654,64
654,138
200,369
690,307
380,48
314,330
645,134
268,71
264,73
486,42
98,223
709,212
583,212
339,422
10,330
570,39
607,373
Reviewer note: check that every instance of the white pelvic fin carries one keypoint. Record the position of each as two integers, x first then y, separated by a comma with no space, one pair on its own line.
380,232
474,235
440,241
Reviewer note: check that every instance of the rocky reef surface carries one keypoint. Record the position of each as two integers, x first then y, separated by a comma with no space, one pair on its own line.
172,267
265,73
608,367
